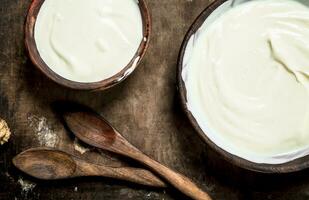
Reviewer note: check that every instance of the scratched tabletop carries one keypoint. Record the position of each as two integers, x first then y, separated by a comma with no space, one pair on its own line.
145,109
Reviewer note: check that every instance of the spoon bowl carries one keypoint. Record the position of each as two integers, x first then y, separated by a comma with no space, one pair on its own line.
45,164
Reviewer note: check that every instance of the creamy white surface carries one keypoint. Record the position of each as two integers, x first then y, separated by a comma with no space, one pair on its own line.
88,40
246,72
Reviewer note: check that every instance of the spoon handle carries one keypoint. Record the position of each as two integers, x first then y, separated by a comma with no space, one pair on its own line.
182,183
135,175
179,181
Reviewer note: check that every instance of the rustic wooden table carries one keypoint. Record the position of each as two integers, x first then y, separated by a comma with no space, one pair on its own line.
144,108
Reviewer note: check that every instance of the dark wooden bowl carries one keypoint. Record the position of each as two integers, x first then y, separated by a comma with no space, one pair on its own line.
293,166
101,85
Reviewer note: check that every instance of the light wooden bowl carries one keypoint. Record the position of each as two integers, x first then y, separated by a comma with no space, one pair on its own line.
101,85
293,166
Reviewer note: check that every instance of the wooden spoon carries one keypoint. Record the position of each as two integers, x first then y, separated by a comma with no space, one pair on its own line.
92,129
51,164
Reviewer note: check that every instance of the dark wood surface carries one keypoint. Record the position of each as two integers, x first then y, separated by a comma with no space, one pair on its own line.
145,109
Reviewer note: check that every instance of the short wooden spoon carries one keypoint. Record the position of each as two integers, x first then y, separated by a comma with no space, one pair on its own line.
92,129
51,164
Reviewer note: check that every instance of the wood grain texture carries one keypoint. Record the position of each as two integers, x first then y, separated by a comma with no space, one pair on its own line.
145,108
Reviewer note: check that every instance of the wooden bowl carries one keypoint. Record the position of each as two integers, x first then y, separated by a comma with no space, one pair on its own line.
293,166
101,85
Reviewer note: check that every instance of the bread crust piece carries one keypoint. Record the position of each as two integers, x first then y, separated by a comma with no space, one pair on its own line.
5,132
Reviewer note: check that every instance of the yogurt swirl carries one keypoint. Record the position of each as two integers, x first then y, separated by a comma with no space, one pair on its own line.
247,80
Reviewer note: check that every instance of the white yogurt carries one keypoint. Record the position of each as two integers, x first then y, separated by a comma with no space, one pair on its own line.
246,72
88,40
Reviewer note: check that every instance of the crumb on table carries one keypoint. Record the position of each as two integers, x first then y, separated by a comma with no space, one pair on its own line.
5,132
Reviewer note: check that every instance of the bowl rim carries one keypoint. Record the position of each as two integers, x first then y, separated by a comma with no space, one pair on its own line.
292,166
36,59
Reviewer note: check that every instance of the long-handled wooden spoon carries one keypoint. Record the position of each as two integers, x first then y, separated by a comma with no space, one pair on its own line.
51,164
92,129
